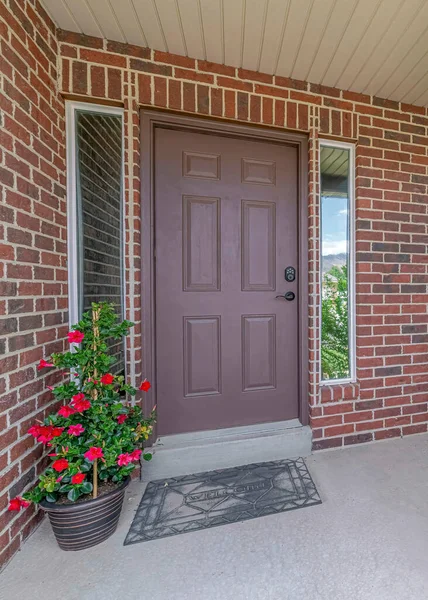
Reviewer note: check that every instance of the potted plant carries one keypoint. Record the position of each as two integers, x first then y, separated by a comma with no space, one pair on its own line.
95,439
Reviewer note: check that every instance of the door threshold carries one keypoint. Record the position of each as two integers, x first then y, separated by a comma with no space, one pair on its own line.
213,436
188,453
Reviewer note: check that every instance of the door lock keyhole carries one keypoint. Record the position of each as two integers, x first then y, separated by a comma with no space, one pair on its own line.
290,274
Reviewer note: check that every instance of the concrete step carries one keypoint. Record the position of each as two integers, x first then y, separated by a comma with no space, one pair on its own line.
188,453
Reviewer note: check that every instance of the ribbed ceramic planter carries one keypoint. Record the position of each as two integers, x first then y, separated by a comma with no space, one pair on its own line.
85,524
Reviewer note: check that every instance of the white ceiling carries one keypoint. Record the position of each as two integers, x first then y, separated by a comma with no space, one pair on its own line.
377,47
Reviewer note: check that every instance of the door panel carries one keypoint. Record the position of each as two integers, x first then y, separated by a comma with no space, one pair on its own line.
202,357
201,244
258,247
225,230
259,352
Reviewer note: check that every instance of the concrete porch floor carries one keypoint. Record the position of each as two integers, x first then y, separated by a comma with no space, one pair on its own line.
368,540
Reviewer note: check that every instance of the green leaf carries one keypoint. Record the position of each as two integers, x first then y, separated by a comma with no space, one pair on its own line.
51,497
148,456
86,487
73,494
65,488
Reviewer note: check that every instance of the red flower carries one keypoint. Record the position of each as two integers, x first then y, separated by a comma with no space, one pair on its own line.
79,403
35,430
145,386
60,465
78,478
43,364
94,453
75,337
121,419
124,459
66,411
18,503
107,379
14,504
135,455
45,433
46,436
75,429
82,405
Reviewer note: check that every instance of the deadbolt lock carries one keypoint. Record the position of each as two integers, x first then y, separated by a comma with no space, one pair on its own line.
290,274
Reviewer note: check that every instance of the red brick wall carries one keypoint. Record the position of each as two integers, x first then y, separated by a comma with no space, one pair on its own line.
33,270
390,396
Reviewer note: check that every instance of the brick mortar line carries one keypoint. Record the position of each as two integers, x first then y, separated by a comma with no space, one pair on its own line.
37,217
196,70
31,147
355,103
129,150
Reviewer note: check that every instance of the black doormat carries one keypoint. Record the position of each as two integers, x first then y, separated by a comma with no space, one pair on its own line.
193,502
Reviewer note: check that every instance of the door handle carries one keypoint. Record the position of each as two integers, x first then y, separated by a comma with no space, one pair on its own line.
287,296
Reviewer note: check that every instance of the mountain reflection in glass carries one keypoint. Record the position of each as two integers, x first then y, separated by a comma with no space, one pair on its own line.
335,361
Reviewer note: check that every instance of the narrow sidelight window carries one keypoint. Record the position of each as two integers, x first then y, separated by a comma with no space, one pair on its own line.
95,211
337,262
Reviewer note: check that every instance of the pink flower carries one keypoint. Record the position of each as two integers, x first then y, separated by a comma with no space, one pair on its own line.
75,337
124,459
93,453
75,429
18,503
107,379
145,386
66,411
121,419
127,457
135,455
60,465
43,364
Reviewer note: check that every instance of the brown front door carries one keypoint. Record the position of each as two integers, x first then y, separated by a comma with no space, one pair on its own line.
225,231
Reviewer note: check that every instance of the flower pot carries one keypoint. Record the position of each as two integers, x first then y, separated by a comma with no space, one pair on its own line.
85,524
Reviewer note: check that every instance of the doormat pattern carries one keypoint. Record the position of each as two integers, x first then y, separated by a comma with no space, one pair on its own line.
193,502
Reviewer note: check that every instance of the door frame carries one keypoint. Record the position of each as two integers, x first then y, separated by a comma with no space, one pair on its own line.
150,120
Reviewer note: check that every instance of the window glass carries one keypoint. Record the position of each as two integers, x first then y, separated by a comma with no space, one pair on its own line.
99,208
335,263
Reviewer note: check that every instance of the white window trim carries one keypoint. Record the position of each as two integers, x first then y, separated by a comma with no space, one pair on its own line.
351,275
72,224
